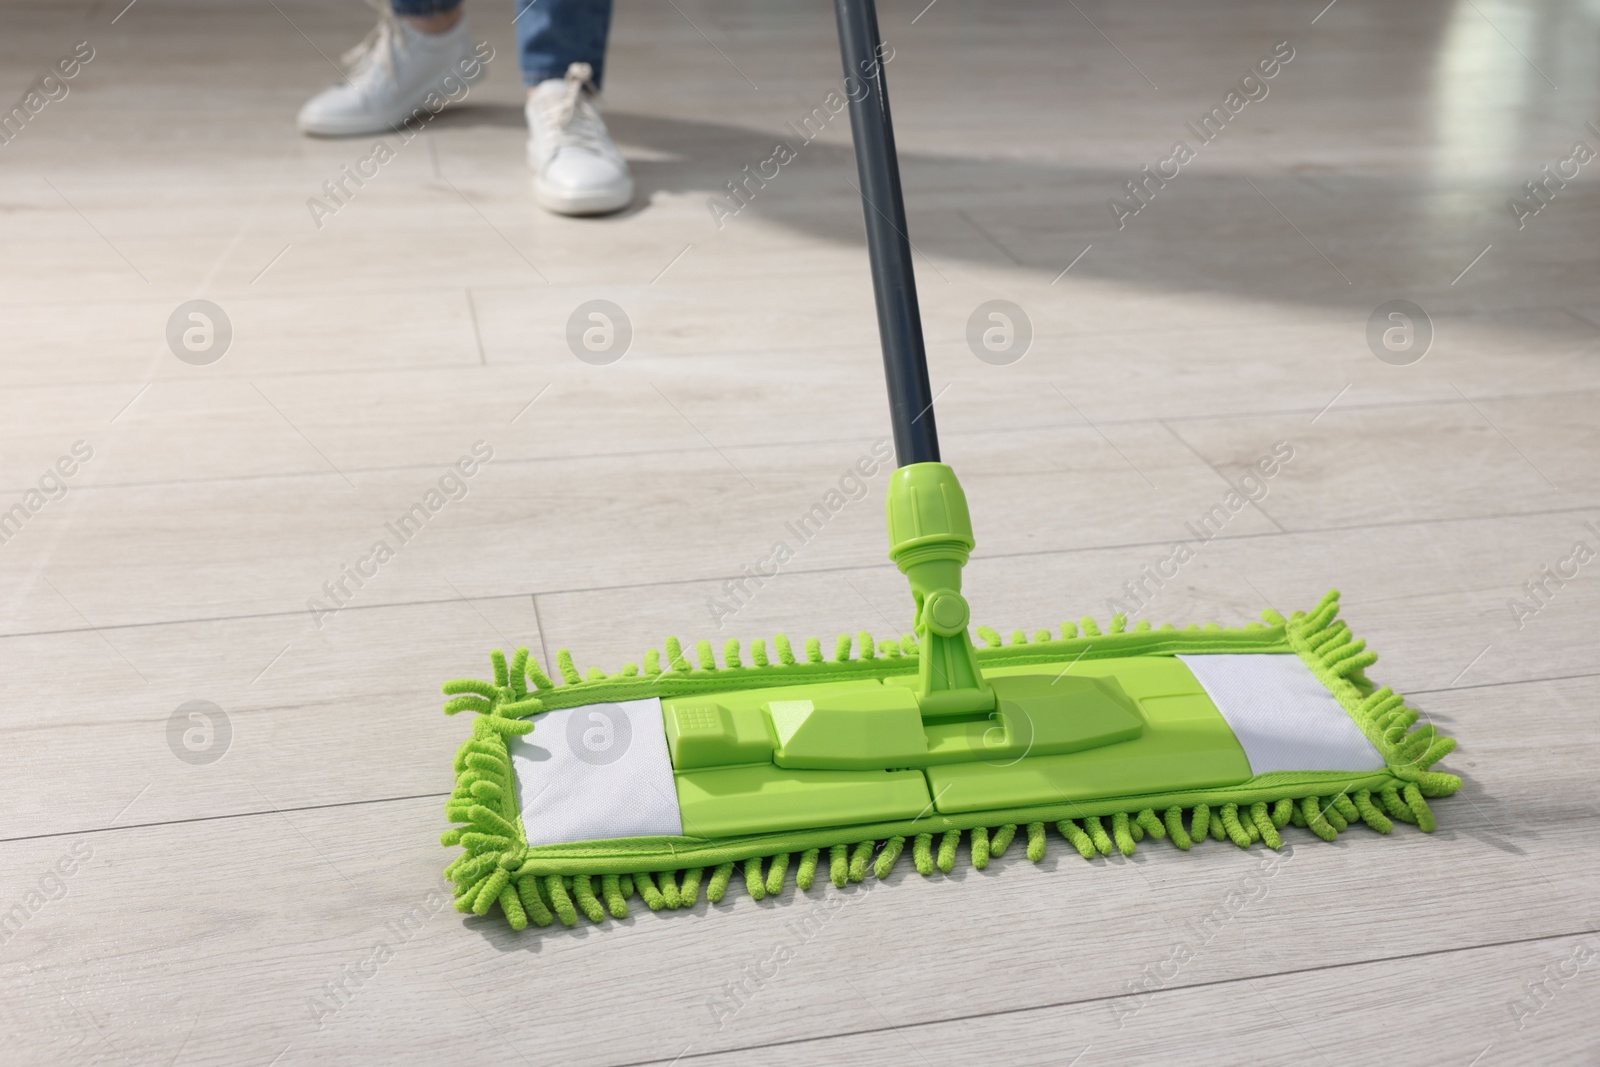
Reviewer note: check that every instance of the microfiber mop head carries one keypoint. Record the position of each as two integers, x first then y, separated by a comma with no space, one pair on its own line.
572,798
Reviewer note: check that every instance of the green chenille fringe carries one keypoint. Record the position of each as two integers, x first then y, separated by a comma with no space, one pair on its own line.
593,880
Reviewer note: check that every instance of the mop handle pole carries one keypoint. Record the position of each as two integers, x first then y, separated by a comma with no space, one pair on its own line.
894,284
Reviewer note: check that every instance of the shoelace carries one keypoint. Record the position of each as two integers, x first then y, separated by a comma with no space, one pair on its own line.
570,122
379,48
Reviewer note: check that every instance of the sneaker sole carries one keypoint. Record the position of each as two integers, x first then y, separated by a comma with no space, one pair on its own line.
563,203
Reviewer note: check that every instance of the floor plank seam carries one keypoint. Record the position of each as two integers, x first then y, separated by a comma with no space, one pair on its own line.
1164,991
847,569
215,818
1492,685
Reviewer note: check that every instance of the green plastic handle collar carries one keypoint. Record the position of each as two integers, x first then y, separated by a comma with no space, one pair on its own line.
930,540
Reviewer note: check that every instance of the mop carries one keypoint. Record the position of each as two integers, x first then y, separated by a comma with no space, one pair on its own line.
574,796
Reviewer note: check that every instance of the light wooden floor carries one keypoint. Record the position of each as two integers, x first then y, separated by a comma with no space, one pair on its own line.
210,902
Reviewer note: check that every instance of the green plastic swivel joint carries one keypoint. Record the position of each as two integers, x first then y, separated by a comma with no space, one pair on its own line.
930,539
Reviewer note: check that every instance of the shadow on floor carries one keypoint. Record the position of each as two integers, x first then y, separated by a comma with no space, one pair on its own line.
1308,234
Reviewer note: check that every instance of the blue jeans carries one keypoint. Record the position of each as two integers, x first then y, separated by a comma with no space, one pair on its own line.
550,33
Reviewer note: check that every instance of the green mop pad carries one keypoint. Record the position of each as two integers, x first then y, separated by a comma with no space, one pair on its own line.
796,759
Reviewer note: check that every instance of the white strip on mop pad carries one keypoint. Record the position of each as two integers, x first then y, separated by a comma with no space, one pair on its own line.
596,772
1285,719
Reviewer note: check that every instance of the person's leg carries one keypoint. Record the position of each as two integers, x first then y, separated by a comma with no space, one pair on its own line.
562,48
554,34
417,60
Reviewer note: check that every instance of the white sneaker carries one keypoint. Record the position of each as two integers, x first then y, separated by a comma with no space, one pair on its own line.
396,72
577,168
